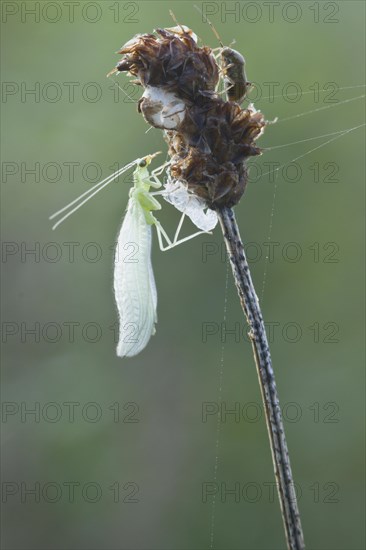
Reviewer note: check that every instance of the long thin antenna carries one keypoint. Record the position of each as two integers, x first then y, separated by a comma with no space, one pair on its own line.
89,191
95,189
88,195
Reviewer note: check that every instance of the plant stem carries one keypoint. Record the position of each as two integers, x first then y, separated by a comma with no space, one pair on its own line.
262,356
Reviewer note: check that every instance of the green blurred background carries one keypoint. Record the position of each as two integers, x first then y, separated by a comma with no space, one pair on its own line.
158,453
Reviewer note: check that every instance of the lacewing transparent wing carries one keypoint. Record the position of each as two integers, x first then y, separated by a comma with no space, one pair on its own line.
134,284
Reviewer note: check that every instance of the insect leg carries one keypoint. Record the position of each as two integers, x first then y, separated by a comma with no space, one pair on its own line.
175,240
160,169
162,233
153,177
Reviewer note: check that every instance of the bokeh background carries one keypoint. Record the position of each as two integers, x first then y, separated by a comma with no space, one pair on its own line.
129,435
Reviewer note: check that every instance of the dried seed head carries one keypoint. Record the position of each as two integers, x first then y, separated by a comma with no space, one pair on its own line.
209,151
209,139
173,61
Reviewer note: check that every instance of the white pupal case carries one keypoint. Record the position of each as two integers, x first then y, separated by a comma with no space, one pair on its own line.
177,194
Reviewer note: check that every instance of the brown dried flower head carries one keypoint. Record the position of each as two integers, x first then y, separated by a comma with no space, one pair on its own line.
209,139
171,60
209,151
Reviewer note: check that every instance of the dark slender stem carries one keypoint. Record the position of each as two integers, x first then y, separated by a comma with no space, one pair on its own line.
262,356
